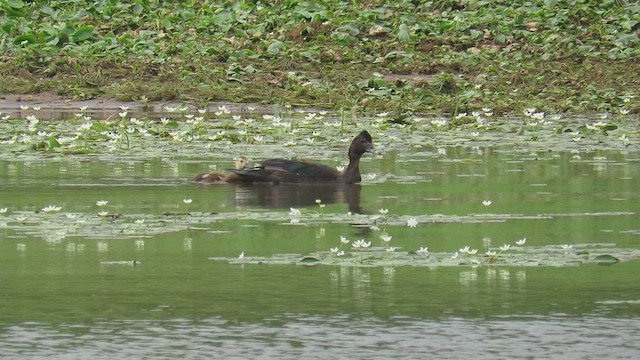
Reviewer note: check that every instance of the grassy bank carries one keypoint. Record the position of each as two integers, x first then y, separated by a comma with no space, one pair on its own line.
402,56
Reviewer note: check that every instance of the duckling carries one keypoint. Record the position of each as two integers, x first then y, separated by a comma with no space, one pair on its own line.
240,164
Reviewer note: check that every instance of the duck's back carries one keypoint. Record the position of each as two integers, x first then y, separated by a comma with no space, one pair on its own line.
288,171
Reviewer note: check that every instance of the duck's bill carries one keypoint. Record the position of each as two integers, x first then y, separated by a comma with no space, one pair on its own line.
373,150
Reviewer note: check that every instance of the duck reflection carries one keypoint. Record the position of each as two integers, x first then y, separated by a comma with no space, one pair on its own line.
298,195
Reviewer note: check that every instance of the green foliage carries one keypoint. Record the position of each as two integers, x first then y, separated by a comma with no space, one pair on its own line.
521,52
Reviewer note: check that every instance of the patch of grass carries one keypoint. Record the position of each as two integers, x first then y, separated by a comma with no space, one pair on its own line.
555,55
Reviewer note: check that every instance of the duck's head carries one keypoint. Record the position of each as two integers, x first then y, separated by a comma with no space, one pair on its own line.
241,162
361,144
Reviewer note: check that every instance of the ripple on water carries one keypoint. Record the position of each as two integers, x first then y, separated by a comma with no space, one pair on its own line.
294,336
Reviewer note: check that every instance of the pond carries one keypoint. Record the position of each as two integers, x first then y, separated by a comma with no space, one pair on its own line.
493,239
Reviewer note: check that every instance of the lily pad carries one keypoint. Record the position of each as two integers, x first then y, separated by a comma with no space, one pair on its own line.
606,259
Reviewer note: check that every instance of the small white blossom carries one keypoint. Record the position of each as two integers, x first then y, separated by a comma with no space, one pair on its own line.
423,250
385,237
361,244
505,247
51,208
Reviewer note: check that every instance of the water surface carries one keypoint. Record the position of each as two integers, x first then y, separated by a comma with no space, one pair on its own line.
69,287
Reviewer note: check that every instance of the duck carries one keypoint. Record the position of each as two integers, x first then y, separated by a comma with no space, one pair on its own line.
278,171
240,163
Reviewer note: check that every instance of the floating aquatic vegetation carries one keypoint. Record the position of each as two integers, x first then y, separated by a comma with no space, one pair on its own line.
552,255
186,134
105,226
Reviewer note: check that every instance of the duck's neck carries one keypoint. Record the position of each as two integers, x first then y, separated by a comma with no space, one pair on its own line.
352,174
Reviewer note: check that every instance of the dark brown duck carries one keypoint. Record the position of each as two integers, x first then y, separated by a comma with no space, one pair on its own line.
292,171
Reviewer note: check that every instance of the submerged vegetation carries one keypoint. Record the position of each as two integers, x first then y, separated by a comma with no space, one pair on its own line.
402,56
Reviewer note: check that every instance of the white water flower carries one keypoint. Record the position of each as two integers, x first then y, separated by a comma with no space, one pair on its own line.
241,255
486,202
187,201
51,208
505,247
625,139
567,247
472,251
423,250
344,240
464,250
3,210
103,213
335,250
391,249
294,212
521,241
412,222
537,116
383,211
490,253
455,256
102,202
340,168
386,238
361,244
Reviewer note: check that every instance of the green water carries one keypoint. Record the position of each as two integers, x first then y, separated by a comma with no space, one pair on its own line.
68,287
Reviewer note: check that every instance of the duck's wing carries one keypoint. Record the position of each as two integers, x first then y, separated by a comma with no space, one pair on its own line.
288,171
